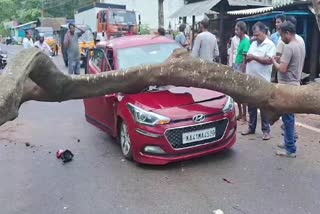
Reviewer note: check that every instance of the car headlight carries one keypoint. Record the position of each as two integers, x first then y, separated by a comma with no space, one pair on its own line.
146,117
229,105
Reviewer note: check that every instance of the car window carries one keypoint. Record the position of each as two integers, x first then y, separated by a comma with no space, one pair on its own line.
97,58
110,58
145,55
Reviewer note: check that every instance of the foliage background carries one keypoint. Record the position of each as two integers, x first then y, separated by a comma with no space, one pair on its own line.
24,11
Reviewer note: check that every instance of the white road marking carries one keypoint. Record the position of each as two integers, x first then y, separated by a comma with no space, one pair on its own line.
308,127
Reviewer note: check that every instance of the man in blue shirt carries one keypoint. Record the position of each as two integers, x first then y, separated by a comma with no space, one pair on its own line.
276,36
181,37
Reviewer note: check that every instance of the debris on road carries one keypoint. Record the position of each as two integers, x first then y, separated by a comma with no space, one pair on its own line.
78,140
27,144
64,155
218,211
226,180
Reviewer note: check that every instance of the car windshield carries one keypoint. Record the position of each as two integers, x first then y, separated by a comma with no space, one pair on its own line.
145,55
123,17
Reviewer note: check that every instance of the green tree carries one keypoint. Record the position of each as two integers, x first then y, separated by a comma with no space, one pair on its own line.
8,9
23,10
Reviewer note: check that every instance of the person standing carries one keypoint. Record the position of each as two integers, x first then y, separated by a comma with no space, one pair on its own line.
259,64
281,46
275,37
27,42
289,72
205,45
161,31
181,37
73,50
240,65
43,45
235,40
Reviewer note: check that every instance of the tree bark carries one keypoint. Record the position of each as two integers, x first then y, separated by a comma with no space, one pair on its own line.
160,13
33,76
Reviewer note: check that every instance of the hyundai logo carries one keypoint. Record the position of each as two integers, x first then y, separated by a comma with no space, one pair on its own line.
199,118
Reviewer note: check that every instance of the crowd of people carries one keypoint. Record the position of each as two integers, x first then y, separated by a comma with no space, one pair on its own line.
262,55
283,53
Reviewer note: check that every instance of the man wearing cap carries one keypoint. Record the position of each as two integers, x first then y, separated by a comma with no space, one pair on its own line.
43,45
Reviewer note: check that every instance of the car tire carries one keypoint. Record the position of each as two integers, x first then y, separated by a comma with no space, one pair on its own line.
125,142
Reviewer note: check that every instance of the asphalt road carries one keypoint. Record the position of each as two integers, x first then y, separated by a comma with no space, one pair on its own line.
248,179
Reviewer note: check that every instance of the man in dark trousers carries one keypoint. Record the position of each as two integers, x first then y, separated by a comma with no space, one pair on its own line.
73,50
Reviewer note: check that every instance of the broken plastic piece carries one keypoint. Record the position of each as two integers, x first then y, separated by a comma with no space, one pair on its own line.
65,156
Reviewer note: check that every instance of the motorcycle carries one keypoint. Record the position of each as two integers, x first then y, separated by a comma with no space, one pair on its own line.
3,59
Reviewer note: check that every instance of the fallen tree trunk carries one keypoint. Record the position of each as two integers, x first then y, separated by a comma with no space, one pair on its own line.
33,76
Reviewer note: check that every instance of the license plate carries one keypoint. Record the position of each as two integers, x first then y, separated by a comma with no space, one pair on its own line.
200,135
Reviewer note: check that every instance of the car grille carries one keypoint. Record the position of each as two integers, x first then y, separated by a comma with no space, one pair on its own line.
174,136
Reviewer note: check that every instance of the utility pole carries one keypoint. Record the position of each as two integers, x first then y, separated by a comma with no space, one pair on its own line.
42,8
160,13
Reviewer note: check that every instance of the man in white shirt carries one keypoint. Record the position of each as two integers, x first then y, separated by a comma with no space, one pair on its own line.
259,64
233,50
27,42
43,45
205,45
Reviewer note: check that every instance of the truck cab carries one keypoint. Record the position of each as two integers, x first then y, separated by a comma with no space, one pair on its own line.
116,22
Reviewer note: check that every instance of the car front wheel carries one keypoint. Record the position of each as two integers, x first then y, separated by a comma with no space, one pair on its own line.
125,142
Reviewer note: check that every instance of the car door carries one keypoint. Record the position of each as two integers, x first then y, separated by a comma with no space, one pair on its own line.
99,110
109,100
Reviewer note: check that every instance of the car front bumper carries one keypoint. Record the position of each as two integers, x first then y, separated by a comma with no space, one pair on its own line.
141,139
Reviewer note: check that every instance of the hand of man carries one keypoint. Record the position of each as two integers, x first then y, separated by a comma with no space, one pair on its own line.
277,59
250,57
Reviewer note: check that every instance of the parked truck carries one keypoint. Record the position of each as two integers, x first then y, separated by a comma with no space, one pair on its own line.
108,20
116,22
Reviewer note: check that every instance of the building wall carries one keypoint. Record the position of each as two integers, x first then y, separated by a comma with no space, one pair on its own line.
148,9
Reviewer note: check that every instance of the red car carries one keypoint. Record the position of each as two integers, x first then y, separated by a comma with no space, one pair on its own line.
161,124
